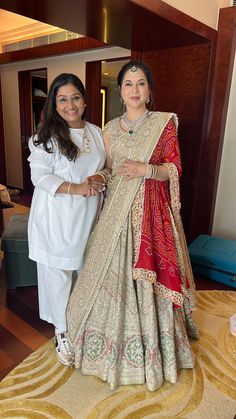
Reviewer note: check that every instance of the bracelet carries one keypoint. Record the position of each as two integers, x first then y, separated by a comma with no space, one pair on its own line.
105,174
102,175
152,171
149,170
68,189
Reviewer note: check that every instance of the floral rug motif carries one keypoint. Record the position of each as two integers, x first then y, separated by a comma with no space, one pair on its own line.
40,387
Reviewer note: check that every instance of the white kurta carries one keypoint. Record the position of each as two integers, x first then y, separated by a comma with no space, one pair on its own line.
59,224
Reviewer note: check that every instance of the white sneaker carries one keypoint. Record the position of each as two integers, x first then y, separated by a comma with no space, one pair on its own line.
63,351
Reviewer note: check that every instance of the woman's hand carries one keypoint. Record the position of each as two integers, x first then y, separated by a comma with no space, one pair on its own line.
83,189
96,182
131,169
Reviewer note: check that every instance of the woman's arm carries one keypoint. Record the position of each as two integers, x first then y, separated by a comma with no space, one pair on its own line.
131,169
42,176
83,189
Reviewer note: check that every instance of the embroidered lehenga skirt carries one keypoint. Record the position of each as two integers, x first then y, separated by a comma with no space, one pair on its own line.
132,335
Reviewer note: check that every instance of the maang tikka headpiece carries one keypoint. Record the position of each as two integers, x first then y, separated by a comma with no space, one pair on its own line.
133,69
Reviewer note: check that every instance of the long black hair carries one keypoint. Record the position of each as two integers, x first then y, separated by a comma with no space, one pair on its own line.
142,66
52,125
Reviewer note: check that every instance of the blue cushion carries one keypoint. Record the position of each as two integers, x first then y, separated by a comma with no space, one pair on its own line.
15,236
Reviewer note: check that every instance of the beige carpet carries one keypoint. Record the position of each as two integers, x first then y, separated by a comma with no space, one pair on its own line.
42,388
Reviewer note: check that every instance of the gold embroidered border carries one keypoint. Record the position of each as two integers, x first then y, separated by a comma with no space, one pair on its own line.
160,289
137,215
180,241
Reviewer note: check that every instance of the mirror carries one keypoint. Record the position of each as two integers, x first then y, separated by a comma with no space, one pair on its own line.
110,96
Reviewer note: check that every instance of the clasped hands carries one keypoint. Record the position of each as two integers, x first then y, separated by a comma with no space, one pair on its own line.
130,169
93,185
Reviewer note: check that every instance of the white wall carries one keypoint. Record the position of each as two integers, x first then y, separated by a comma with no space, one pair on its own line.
224,224
206,11
73,63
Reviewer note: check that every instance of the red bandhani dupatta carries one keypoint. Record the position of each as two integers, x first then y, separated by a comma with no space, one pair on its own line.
162,255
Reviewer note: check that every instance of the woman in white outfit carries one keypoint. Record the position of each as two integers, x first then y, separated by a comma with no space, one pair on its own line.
65,151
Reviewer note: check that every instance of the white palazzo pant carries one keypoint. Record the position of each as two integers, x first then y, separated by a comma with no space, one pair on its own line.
54,287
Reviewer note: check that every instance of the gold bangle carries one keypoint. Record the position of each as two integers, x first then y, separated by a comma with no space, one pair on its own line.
68,189
102,175
148,171
152,171
105,174
155,172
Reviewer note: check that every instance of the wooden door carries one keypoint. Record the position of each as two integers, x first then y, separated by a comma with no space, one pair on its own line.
27,123
3,177
93,95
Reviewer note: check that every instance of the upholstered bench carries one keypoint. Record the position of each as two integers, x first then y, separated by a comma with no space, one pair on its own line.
19,269
215,258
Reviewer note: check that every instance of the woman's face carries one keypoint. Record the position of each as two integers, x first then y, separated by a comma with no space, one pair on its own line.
70,105
135,89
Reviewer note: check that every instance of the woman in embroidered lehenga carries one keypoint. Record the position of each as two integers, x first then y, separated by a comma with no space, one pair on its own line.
129,315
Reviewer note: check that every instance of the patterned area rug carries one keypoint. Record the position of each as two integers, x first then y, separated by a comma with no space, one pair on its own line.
42,388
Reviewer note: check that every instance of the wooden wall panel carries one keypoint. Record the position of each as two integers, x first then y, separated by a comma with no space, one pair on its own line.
3,177
59,48
93,96
181,81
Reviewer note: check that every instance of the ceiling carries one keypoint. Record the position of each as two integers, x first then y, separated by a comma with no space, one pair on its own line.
14,27
11,21
140,25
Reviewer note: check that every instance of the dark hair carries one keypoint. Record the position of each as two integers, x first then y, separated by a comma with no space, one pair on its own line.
52,125
142,66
